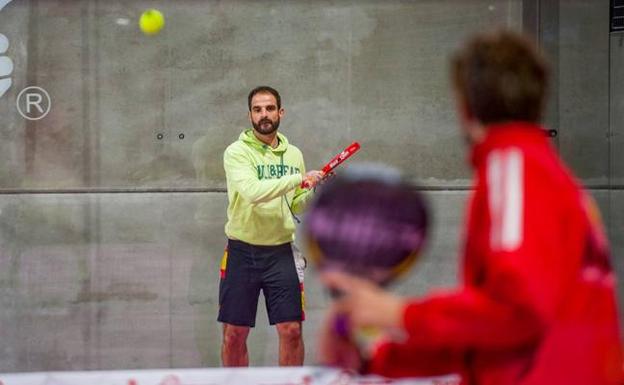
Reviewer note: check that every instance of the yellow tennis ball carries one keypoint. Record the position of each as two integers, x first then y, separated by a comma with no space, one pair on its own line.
151,21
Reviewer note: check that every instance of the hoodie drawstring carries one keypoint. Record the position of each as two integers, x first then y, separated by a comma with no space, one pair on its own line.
284,196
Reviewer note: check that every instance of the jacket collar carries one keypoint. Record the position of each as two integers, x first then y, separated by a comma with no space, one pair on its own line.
500,134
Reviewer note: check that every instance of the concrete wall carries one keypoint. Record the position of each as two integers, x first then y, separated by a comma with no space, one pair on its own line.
616,158
111,222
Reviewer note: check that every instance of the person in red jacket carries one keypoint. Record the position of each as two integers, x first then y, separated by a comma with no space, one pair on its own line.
537,300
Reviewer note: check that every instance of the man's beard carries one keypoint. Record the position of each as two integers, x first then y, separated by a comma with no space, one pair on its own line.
269,130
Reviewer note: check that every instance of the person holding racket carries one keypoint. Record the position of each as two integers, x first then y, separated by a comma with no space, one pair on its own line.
264,175
537,300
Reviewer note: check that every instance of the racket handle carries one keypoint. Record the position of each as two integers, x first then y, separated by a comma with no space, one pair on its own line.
341,326
305,184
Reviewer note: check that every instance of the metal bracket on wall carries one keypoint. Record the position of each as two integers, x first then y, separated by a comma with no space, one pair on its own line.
616,16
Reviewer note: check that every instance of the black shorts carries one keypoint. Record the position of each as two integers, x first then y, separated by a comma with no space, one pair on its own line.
246,269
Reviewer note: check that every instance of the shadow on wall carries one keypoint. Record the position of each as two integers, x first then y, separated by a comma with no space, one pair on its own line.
204,272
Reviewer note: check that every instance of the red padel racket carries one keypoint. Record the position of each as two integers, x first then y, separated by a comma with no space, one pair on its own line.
337,160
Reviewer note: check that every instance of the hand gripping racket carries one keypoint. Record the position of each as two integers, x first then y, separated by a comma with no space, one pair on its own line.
337,160
370,222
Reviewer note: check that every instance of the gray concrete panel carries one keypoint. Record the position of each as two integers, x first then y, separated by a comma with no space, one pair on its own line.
106,277
53,149
547,36
616,229
59,41
14,26
439,265
611,206
616,101
120,281
583,65
369,71
401,97
45,254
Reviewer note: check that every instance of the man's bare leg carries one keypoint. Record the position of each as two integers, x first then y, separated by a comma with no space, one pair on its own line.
291,349
234,347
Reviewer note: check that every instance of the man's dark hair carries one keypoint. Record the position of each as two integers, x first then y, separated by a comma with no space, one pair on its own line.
502,77
264,90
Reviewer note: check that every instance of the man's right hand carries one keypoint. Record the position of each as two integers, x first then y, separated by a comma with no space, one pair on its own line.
312,178
364,303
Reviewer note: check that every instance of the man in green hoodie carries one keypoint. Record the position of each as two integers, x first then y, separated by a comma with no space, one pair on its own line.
264,174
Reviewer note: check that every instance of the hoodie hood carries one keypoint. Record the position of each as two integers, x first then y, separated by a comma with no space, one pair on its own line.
250,139
508,133
264,186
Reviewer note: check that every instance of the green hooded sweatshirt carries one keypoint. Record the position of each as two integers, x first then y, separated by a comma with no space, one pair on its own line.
262,182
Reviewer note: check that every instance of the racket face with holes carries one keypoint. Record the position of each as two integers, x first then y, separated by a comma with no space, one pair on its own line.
367,221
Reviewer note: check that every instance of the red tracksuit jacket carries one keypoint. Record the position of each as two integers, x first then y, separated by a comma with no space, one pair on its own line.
537,305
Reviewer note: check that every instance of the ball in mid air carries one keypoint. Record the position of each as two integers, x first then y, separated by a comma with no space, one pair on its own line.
151,22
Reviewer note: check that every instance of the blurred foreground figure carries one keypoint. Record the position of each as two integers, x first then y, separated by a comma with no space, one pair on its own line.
537,302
